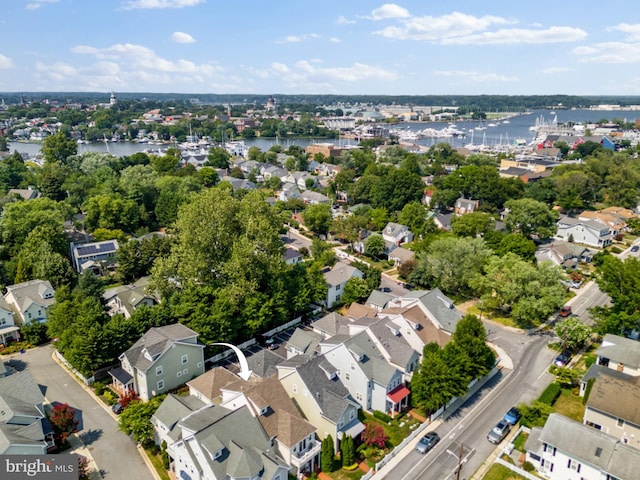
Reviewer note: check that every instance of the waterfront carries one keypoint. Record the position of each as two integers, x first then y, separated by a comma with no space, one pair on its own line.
517,129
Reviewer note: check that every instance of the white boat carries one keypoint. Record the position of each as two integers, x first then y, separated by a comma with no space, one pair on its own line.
492,125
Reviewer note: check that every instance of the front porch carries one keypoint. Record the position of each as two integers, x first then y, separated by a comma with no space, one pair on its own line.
122,382
398,399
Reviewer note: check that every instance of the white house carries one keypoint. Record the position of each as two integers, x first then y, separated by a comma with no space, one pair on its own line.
568,450
8,328
31,300
587,232
336,279
396,233
90,255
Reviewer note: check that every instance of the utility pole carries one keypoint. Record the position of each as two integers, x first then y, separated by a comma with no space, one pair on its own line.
459,470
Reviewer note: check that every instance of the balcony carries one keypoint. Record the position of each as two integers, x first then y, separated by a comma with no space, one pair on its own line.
300,459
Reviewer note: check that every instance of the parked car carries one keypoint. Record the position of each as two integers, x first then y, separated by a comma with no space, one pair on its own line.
497,434
635,248
565,311
562,360
512,416
427,442
117,408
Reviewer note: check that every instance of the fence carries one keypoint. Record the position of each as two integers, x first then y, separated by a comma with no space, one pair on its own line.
517,470
87,381
252,342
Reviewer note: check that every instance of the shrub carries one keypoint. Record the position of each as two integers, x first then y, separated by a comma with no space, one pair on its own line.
381,416
528,467
587,391
550,394
615,250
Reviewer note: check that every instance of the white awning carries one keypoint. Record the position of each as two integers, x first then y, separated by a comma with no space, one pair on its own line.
4,331
355,430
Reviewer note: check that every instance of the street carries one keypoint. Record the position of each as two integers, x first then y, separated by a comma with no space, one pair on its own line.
113,451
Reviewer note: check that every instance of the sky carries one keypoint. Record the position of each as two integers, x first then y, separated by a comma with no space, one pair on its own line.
351,47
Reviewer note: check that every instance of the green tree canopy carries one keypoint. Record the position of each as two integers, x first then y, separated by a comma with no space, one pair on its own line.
530,218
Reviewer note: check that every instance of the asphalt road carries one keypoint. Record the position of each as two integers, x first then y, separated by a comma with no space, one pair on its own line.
466,430
113,451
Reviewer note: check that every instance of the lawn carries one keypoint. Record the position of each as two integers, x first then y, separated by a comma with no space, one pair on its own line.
157,463
500,472
344,475
520,440
570,405
398,429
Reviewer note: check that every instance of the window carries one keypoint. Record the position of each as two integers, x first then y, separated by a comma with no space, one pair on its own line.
159,370
29,315
199,365
2,321
178,374
294,388
185,371
358,396
337,288
160,384
184,359
620,423
347,376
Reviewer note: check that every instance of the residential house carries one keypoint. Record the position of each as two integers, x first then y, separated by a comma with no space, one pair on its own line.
239,183
396,234
162,359
125,299
300,180
273,171
378,299
336,279
620,354
401,255
416,327
264,363
364,371
303,342
314,198
565,254
443,220
25,193
166,418
31,300
612,407
215,443
208,386
8,329
93,255
268,401
587,232
289,191
438,308
617,225
357,310
313,383
330,325
24,427
291,256
465,205
568,450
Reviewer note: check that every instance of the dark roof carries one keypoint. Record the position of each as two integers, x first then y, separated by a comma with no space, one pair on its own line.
97,248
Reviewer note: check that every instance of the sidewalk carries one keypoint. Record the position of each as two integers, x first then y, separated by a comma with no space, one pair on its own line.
80,448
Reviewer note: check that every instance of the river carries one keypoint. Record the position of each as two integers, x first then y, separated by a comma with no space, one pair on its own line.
501,133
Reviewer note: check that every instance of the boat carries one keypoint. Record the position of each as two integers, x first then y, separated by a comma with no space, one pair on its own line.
492,125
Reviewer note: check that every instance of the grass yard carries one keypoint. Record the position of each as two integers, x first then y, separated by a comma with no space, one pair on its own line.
157,464
394,430
570,405
344,475
500,472
520,440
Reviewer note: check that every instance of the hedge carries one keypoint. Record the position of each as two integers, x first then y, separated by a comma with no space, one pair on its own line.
550,394
381,416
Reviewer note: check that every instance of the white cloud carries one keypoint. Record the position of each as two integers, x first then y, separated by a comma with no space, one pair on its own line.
342,20
5,62
554,70
440,28
335,40
609,52
389,10
298,38
135,4
36,4
512,36
476,76
181,37
632,31
58,71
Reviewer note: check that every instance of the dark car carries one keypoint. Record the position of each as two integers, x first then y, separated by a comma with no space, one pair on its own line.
117,408
562,360
427,442
512,416
635,248
497,434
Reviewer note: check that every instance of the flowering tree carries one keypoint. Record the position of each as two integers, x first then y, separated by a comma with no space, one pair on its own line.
62,418
374,435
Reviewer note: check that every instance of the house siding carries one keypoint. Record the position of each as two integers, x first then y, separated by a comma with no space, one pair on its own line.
628,432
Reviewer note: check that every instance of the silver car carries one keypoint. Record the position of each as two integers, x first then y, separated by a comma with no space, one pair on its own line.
497,434
427,442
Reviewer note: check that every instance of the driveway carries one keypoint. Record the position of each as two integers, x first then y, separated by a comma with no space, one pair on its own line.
113,451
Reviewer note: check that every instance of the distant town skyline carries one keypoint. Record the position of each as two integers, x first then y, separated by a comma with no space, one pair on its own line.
461,47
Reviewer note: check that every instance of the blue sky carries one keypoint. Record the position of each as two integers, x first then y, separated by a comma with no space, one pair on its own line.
416,47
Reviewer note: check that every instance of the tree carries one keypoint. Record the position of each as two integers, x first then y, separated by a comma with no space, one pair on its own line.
374,246
34,332
469,336
620,280
63,421
473,224
317,218
218,158
374,435
136,420
355,290
59,147
394,190
531,218
518,244
573,333
347,450
327,452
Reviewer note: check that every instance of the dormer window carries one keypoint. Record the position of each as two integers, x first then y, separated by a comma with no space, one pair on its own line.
264,410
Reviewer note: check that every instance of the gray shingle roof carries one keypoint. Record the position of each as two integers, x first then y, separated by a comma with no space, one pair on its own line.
331,324
617,397
621,350
396,346
439,306
373,364
173,408
264,363
31,292
340,273
379,299
155,342
19,395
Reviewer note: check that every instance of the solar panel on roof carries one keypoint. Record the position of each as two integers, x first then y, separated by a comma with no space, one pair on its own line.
95,249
